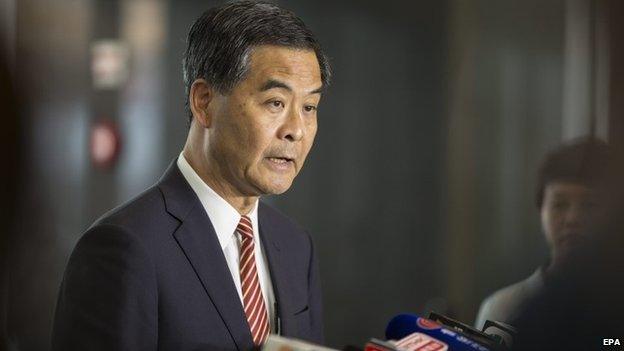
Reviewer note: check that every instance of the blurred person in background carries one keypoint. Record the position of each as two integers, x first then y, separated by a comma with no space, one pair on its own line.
580,306
197,262
569,202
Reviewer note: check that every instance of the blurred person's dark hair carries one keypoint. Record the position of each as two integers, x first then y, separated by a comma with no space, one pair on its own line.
583,161
220,42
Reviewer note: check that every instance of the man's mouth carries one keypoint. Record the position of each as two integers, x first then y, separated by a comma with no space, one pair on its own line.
282,162
280,159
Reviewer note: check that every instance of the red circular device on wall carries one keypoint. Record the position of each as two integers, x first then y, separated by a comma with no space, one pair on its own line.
104,143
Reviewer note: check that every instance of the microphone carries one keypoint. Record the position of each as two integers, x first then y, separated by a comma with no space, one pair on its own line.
484,337
503,332
352,348
380,345
281,343
422,342
417,333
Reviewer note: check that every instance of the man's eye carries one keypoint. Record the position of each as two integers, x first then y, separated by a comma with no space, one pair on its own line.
276,104
309,108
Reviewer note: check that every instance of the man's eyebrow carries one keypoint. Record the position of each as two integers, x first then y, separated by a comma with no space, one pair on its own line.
272,83
317,90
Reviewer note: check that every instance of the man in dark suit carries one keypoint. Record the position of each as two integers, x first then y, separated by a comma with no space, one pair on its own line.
196,262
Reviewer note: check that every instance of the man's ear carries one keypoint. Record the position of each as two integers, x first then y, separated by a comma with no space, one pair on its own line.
200,96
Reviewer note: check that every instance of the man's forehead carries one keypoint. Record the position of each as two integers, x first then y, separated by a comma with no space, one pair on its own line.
275,62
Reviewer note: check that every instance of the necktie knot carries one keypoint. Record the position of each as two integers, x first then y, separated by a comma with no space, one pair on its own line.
245,228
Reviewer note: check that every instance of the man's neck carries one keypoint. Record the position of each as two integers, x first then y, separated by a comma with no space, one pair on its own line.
243,204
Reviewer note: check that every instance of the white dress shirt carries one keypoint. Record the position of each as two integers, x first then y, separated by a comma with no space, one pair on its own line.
224,220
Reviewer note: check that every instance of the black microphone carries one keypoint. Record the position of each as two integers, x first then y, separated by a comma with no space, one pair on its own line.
413,331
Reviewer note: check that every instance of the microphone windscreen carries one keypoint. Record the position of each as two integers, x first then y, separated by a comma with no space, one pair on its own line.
401,326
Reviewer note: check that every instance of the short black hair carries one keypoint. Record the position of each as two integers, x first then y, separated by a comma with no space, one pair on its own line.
583,161
220,41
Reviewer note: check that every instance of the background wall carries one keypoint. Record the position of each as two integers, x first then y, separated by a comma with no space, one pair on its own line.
419,190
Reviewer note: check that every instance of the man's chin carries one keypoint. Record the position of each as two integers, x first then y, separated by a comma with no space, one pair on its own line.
275,187
279,189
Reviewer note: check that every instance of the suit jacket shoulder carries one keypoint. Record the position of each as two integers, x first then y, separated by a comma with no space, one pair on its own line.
110,276
144,217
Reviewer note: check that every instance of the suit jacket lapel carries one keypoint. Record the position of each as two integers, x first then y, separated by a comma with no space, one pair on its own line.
197,238
270,234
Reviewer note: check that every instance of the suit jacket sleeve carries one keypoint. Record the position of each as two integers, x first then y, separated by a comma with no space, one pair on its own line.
315,297
108,297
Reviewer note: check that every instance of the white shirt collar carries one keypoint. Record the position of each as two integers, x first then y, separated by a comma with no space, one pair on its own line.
223,216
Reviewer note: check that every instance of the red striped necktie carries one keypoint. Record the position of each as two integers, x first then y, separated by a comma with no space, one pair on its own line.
253,301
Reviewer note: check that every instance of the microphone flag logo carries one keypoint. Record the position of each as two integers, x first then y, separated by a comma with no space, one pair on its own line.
427,324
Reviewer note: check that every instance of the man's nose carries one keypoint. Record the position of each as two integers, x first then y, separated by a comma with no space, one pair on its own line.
293,128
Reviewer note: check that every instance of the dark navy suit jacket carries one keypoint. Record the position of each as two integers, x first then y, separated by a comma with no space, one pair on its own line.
151,275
